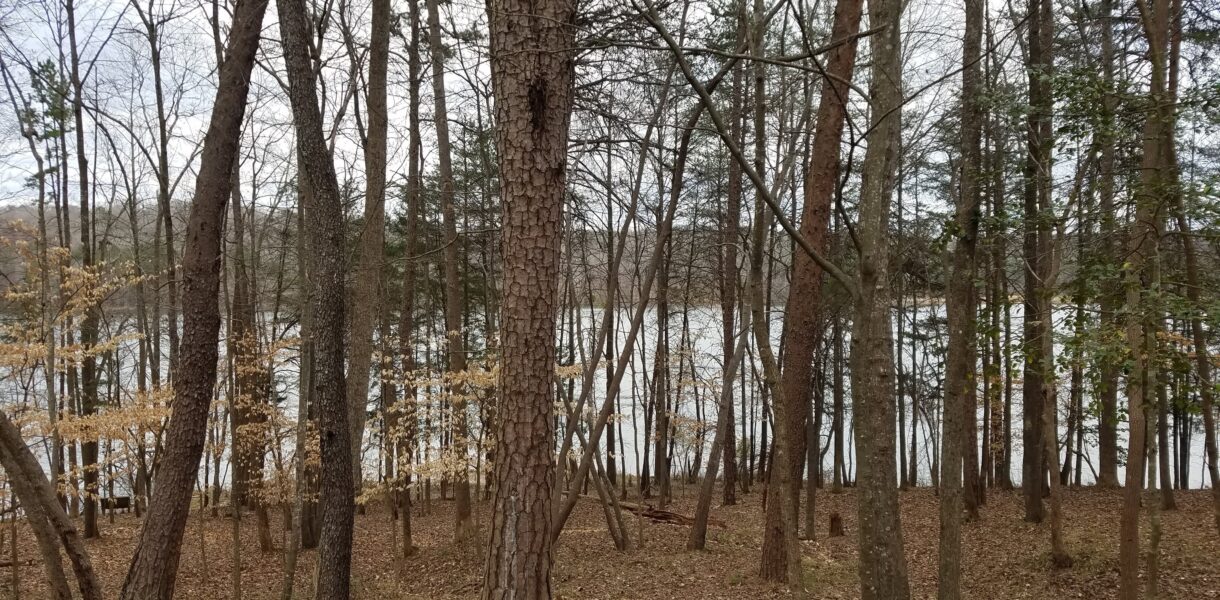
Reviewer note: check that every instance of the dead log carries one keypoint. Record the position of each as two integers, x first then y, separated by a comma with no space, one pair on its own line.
660,515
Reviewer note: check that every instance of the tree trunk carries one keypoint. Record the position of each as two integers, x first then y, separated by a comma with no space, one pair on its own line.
731,231
326,257
366,291
1107,425
532,76
883,572
1139,282
407,414
153,568
454,331
960,301
697,538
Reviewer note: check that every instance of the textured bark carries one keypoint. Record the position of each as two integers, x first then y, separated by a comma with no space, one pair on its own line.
805,292
36,519
366,290
532,77
154,566
40,491
960,375
324,228
883,571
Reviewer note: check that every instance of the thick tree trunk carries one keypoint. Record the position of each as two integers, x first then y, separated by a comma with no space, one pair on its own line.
153,569
532,76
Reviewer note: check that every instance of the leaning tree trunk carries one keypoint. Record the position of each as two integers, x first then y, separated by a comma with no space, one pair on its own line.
27,466
153,569
532,76
324,228
805,291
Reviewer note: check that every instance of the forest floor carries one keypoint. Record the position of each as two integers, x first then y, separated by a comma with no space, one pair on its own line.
1004,556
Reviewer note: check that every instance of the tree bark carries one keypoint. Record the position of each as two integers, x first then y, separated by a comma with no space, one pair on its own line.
326,257
153,568
882,568
960,301
1139,308
366,291
38,498
532,77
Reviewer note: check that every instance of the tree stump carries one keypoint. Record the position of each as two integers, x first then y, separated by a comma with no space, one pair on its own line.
836,525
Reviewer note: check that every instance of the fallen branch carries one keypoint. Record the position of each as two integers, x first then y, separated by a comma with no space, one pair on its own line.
659,515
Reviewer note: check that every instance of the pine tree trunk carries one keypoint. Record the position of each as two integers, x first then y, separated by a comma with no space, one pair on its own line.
532,75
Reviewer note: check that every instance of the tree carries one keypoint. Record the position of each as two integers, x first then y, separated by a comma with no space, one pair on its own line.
1141,281
324,228
366,291
883,571
154,566
532,77
454,330
960,379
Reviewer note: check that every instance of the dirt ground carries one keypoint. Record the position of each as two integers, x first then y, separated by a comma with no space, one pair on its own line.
1004,556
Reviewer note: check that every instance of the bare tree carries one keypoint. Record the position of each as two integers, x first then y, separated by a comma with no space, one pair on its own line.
152,571
324,228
